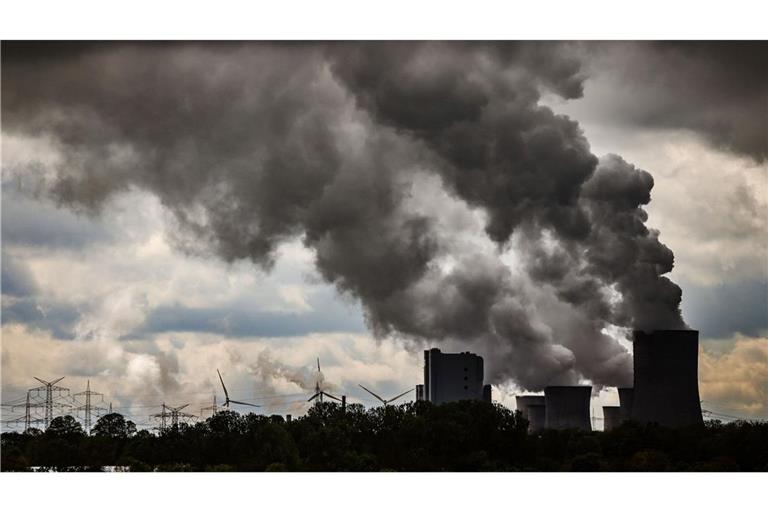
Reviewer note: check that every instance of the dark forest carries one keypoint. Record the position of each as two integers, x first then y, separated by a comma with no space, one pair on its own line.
420,436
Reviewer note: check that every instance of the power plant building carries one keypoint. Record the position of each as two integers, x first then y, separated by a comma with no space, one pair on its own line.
537,417
611,417
567,407
625,403
523,402
532,408
453,377
666,389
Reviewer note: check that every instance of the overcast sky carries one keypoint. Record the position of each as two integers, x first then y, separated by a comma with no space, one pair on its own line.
172,209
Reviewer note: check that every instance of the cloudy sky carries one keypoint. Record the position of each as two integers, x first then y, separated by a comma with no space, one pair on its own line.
170,209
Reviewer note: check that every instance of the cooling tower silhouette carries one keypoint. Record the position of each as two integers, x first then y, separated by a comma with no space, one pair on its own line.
531,407
666,387
611,417
567,407
625,402
524,401
537,417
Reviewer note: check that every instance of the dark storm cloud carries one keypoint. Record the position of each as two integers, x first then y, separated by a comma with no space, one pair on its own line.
717,89
723,310
249,145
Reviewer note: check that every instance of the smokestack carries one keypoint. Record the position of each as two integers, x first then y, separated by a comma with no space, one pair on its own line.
524,401
419,392
537,417
611,417
567,407
343,403
666,387
625,402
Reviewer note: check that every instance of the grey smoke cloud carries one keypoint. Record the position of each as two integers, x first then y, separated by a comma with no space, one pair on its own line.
717,89
251,145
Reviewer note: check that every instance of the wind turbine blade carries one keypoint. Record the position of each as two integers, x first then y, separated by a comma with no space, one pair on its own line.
40,380
244,403
330,396
222,385
57,380
374,394
183,406
318,365
401,394
313,397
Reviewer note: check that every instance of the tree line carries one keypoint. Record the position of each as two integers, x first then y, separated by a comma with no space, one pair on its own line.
417,436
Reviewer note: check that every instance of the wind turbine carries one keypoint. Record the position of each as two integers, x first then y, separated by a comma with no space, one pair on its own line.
227,401
385,402
319,393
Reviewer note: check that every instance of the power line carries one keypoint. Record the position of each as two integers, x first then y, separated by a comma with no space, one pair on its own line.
88,408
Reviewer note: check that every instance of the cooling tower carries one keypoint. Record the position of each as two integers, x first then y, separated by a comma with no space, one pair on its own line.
666,387
625,402
524,401
536,417
611,417
567,407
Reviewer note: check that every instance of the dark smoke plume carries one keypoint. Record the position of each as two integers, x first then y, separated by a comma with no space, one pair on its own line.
716,89
251,145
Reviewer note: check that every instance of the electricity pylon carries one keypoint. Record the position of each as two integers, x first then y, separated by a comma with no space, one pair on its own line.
163,416
27,417
88,408
174,413
213,408
50,388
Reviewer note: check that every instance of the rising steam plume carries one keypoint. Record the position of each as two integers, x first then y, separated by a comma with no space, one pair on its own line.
252,145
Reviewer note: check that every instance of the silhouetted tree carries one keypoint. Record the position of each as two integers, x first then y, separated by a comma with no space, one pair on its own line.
64,426
421,436
114,425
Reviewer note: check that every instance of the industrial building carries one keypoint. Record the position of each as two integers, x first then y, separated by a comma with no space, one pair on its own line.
452,377
532,408
625,403
666,389
537,417
523,402
567,407
611,417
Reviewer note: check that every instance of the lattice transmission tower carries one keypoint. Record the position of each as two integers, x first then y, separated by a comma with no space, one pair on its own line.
172,413
213,408
50,393
88,408
27,419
